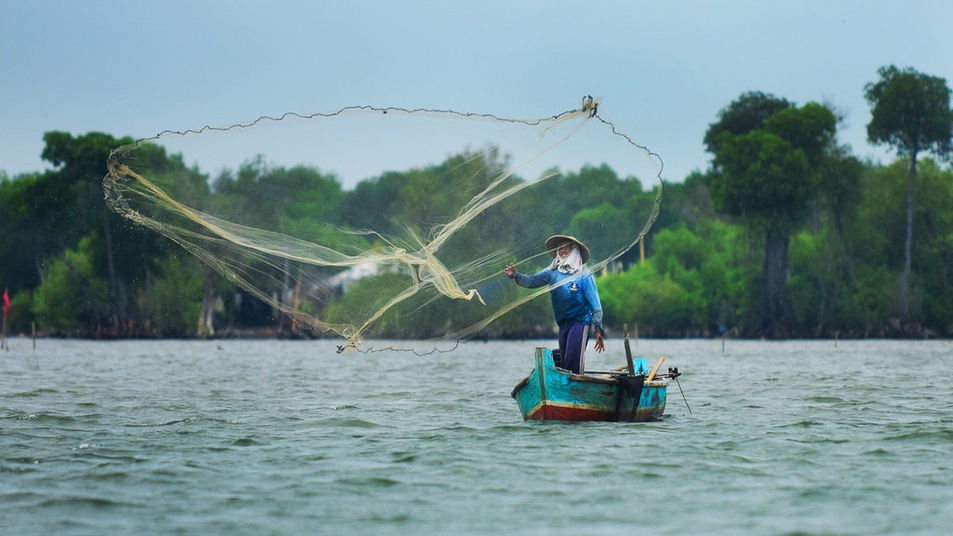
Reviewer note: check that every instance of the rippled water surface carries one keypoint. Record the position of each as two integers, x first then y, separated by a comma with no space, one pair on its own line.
271,437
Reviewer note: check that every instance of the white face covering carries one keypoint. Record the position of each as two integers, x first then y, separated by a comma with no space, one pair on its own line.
569,264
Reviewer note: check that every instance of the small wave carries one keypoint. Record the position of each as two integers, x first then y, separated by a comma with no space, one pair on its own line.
816,440
376,482
403,457
352,422
19,465
802,424
94,502
944,435
507,428
826,399
49,417
157,424
878,452
40,391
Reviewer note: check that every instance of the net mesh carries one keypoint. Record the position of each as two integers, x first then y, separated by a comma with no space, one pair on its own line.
419,248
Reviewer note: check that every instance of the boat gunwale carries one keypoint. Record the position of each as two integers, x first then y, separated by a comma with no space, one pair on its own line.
589,378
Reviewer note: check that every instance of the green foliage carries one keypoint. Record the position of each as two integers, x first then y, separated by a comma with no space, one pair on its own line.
766,181
602,226
21,318
840,189
377,290
775,168
655,303
269,198
910,112
24,234
379,199
933,218
767,178
73,298
533,319
695,283
821,286
172,299
70,198
590,187
749,112
810,128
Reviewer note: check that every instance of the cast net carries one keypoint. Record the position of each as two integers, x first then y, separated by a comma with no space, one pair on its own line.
416,250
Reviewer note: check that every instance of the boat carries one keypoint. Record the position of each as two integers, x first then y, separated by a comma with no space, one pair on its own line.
629,393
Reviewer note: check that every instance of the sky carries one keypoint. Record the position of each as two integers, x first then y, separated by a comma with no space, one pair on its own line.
661,69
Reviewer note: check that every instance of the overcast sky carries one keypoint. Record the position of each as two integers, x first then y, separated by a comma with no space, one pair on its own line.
663,69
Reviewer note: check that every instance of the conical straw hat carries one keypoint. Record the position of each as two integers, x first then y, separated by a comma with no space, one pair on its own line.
553,243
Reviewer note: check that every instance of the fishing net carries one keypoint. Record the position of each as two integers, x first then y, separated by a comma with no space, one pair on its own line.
417,249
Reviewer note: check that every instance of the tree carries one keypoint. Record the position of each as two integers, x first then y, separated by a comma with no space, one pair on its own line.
66,205
378,199
25,237
749,112
911,112
72,199
840,188
767,177
73,298
602,228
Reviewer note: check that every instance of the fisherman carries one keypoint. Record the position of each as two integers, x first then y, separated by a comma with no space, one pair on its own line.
575,297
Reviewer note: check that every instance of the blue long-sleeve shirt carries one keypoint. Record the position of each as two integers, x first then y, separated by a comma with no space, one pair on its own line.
574,296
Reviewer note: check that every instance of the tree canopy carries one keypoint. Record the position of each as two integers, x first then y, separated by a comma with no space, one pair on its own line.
910,111
787,234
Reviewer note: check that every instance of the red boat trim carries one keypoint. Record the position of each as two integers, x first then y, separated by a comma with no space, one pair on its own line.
556,411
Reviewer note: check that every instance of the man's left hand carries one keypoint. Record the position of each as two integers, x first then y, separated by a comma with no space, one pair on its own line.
600,346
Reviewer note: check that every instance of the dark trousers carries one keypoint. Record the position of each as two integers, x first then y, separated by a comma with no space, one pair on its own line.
573,338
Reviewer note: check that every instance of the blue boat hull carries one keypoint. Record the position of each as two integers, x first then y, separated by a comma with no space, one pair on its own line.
554,394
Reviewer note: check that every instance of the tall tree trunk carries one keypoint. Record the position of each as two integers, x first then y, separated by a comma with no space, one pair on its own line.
903,299
774,307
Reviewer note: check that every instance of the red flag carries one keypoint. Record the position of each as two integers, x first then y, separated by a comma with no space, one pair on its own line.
6,303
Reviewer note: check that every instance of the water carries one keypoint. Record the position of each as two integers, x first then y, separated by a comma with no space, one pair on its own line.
269,437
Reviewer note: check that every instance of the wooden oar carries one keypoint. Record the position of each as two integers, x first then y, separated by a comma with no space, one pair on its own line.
628,351
651,375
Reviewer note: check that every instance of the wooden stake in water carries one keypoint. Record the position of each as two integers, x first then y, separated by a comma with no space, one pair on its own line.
3,338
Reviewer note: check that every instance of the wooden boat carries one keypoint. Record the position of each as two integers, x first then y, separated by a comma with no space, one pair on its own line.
628,394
